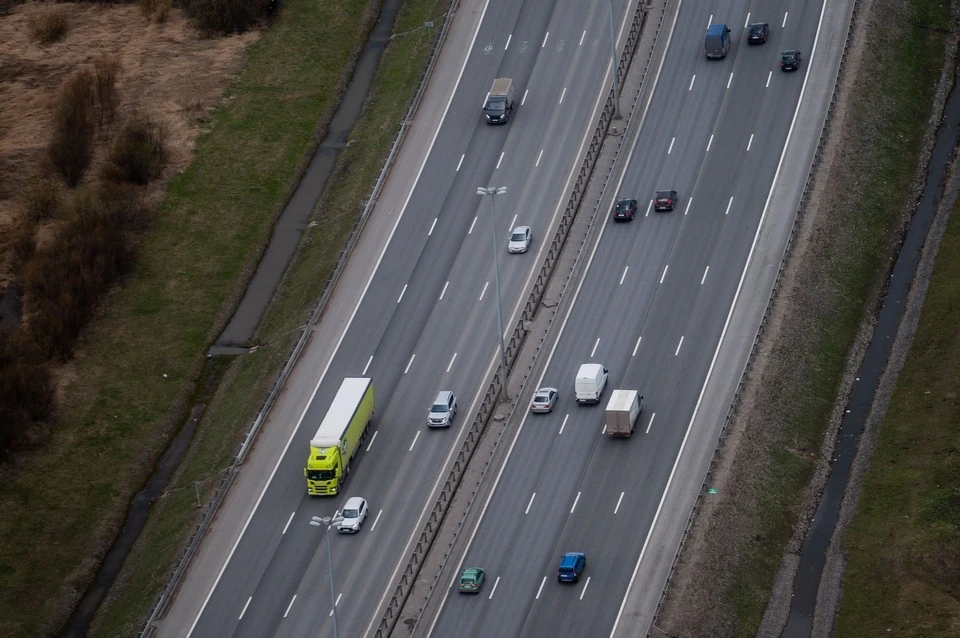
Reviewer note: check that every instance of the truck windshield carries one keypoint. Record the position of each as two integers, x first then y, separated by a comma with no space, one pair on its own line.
321,475
497,105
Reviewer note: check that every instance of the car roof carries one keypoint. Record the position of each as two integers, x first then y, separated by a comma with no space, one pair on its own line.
570,558
757,25
443,396
471,571
521,229
353,503
790,52
667,193
546,390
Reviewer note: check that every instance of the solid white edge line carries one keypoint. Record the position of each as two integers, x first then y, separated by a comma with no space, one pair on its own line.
523,422
723,333
343,335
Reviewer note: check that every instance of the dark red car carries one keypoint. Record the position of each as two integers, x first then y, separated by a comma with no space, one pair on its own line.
665,200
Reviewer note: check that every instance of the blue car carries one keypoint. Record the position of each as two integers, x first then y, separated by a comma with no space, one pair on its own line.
571,566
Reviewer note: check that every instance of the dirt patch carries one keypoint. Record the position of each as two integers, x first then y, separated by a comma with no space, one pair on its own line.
166,70
706,596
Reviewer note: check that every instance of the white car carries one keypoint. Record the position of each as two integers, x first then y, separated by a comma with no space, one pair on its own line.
520,240
544,400
352,516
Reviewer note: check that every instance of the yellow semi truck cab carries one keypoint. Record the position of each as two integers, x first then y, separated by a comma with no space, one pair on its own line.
337,440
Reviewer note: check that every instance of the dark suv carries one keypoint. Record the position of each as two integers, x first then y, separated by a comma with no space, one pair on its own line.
757,33
625,210
665,200
790,60
571,566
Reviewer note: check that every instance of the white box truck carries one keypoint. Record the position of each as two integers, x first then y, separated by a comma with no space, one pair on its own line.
623,409
591,380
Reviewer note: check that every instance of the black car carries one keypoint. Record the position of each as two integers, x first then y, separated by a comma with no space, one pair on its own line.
790,60
757,32
664,200
625,209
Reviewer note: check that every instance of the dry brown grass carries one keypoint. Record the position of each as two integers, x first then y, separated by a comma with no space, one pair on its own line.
49,25
166,70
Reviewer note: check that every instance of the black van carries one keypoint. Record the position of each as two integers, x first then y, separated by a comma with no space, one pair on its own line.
717,42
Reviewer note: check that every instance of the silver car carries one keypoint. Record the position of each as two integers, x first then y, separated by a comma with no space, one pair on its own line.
352,516
520,240
443,410
543,400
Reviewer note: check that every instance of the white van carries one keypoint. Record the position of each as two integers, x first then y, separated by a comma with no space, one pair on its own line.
591,380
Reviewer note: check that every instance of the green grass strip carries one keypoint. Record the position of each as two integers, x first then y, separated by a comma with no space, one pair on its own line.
247,380
903,546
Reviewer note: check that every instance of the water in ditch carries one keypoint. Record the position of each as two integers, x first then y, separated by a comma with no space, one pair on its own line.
813,552
240,329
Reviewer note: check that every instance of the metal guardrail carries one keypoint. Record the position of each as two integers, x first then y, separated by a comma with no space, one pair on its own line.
735,402
149,627
512,347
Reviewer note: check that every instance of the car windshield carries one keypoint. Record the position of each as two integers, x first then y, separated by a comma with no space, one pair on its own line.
439,408
622,206
518,237
756,29
498,105
663,195
351,513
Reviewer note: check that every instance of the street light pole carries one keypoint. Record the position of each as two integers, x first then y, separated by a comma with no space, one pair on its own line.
493,191
328,521
616,75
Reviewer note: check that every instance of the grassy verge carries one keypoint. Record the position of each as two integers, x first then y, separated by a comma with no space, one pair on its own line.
903,560
246,380
63,505
890,109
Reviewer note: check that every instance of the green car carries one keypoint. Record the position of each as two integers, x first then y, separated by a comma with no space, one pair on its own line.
471,580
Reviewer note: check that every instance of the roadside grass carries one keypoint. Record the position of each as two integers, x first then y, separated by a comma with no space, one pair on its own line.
900,81
141,359
248,379
903,545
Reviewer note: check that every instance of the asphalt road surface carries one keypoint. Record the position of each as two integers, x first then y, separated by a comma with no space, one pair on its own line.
426,322
651,308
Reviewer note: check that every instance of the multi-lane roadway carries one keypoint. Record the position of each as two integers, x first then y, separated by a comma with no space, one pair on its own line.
651,308
426,322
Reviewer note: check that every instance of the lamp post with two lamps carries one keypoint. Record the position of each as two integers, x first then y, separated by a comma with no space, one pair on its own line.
328,522
493,191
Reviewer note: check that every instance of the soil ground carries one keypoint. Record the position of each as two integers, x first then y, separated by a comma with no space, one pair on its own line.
167,71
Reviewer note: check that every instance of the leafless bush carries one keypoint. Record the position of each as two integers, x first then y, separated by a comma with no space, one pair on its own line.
138,152
223,16
64,281
156,10
71,147
26,390
49,25
105,72
22,240
40,199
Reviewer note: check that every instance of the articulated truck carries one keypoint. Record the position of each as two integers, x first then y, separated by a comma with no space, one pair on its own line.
334,446
622,411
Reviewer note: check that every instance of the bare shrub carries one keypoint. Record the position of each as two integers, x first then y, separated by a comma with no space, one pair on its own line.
138,152
40,199
156,11
23,240
223,16
65,280
105,72
71,147
26,390
50,25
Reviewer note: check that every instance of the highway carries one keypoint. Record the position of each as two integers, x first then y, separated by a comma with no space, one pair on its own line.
651,308
426,322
